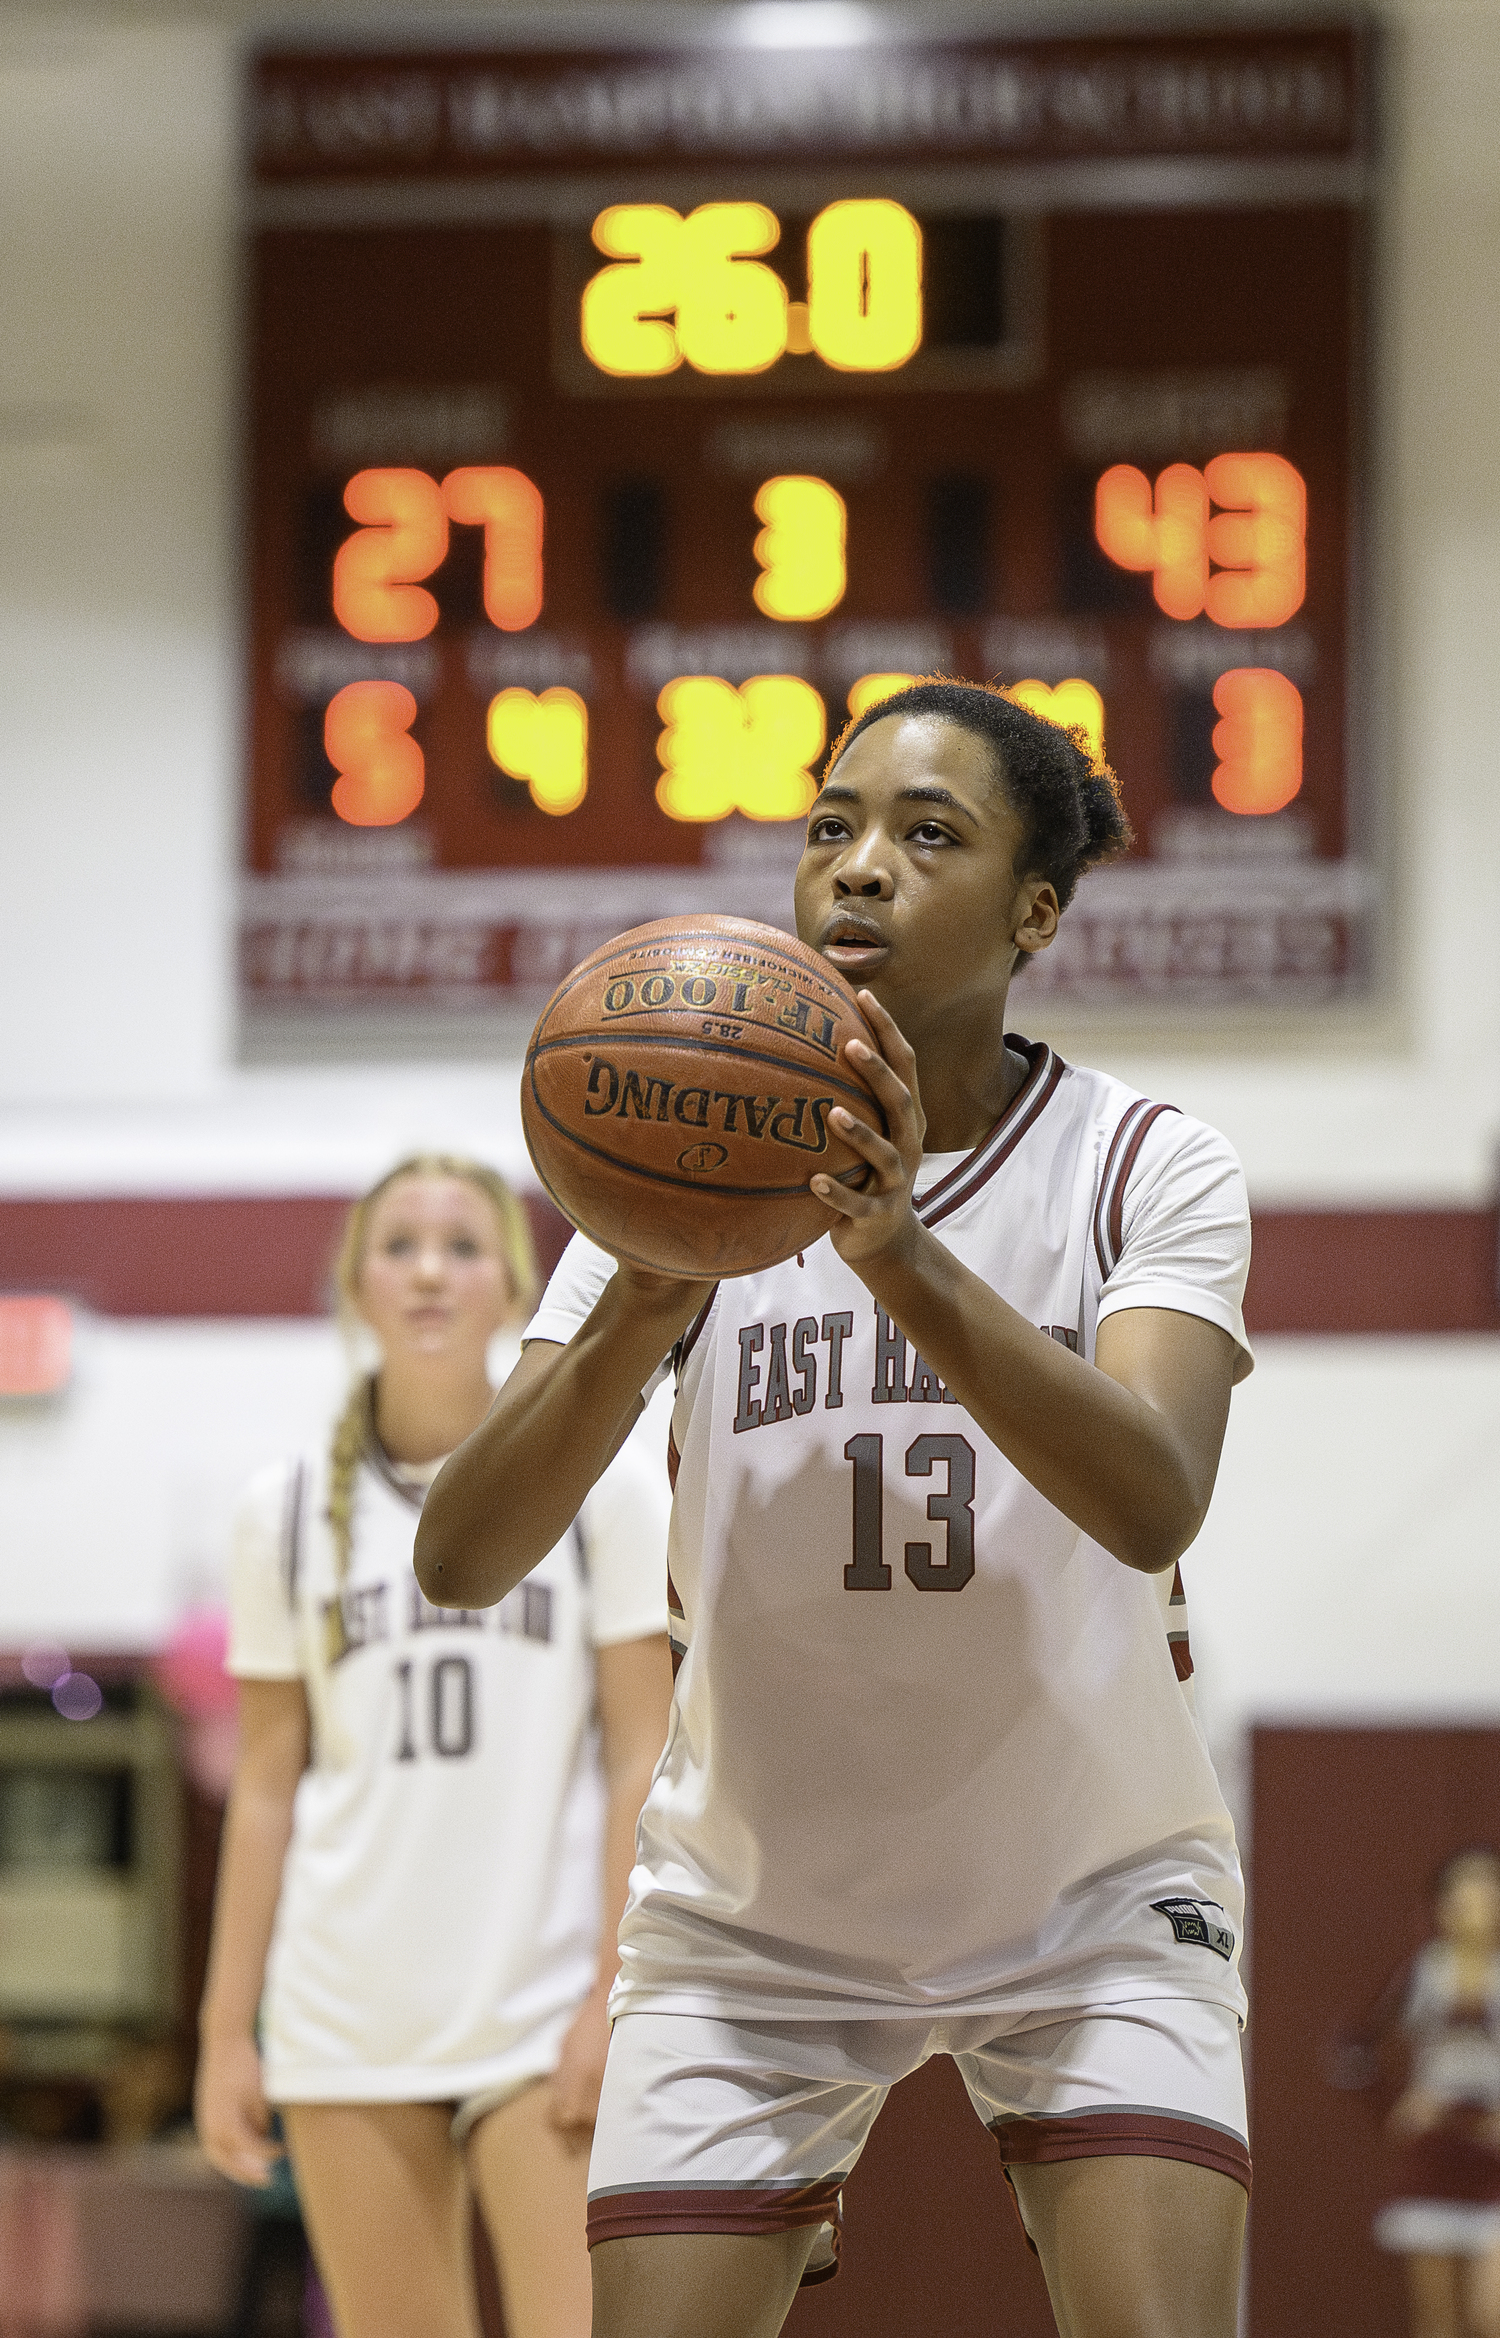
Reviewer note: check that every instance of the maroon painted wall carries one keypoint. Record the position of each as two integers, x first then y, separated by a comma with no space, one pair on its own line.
270,1254
1348,1828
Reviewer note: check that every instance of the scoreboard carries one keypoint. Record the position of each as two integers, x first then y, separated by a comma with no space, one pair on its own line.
620,423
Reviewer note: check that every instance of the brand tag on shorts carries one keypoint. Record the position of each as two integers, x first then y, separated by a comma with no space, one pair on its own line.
1199,1921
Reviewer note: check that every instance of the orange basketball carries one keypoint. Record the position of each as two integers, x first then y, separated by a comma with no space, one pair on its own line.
677,1093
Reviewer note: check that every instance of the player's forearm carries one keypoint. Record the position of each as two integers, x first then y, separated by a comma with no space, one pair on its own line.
1093,1448
257,1830
512,1490
626,1794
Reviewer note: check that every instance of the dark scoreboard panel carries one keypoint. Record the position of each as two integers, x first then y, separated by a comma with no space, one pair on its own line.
621,423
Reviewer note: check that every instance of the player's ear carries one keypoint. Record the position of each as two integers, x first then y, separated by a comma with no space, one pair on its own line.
1036,913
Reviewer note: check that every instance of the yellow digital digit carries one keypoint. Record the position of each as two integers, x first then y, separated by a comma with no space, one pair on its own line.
800,549
1074,705
509,509
377,592
749,750
731,311
543,739
864,286
1259,543
624,308
367,738
1258,741
869,690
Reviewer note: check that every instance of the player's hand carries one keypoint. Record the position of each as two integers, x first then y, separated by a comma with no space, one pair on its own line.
232,2115
1415,2113
878,1216
573,2102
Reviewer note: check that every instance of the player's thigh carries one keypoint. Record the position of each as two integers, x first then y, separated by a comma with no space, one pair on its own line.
719,2159
532,2185
1483,2294
1123,2131
698,2284
1135,2247
1435,2295
386,2203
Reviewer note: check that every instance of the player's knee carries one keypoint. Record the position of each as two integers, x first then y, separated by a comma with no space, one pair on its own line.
697,2285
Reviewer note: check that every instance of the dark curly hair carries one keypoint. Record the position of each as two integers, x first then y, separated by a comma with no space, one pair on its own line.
1069,802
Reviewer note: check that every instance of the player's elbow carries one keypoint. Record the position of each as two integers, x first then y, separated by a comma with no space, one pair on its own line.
1155,1535
446,1560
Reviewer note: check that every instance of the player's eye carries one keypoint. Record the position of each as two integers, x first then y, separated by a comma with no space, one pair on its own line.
398,1245
928,832
464,1246
828,830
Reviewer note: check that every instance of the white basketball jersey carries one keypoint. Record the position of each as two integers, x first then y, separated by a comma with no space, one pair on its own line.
440,1901
929,1746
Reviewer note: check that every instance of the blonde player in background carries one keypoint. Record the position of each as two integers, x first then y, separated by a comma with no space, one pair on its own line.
433,1815
932,1783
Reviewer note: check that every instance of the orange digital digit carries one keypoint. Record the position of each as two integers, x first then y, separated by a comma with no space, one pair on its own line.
1258,541
367,736
1258,741
1165,535
509,509
377,591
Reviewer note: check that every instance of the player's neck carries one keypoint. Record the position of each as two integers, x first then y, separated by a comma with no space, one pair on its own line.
967,1075
423,1413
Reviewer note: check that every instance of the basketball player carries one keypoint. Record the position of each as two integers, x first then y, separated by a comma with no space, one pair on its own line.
931,1784
427,1830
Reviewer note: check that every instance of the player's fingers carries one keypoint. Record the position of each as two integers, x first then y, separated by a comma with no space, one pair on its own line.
894,1045
884,1157
846,1199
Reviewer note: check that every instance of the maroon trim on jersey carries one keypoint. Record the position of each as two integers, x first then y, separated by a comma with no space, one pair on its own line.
674,1461
1109,1211
694,1332
1179,1596
747,2208
1182,1655
1035,1092
375,1455
1122,2134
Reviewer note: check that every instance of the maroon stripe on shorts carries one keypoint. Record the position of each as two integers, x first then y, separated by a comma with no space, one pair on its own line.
749,2208
1122,2134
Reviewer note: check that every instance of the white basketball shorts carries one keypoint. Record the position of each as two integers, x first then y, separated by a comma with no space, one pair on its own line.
751,2127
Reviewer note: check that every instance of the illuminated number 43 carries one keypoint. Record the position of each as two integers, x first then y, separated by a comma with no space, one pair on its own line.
954,1506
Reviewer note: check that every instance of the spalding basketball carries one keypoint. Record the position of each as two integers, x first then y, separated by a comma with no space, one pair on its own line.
677,1093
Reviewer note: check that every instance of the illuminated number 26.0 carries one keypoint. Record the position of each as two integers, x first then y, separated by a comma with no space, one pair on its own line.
729,312
378,590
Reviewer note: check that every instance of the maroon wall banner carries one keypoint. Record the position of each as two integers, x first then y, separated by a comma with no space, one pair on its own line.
619,425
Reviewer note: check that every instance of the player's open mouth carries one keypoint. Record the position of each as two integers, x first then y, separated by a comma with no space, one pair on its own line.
855,948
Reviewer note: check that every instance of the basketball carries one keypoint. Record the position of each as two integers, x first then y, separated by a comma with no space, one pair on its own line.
677,1092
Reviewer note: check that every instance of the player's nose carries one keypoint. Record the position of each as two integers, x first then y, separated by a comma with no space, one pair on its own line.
863,875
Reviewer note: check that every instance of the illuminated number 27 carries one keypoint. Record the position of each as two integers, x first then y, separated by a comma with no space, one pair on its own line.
377,574
867,1570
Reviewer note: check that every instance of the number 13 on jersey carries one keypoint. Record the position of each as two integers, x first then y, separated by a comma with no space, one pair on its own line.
952,1505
